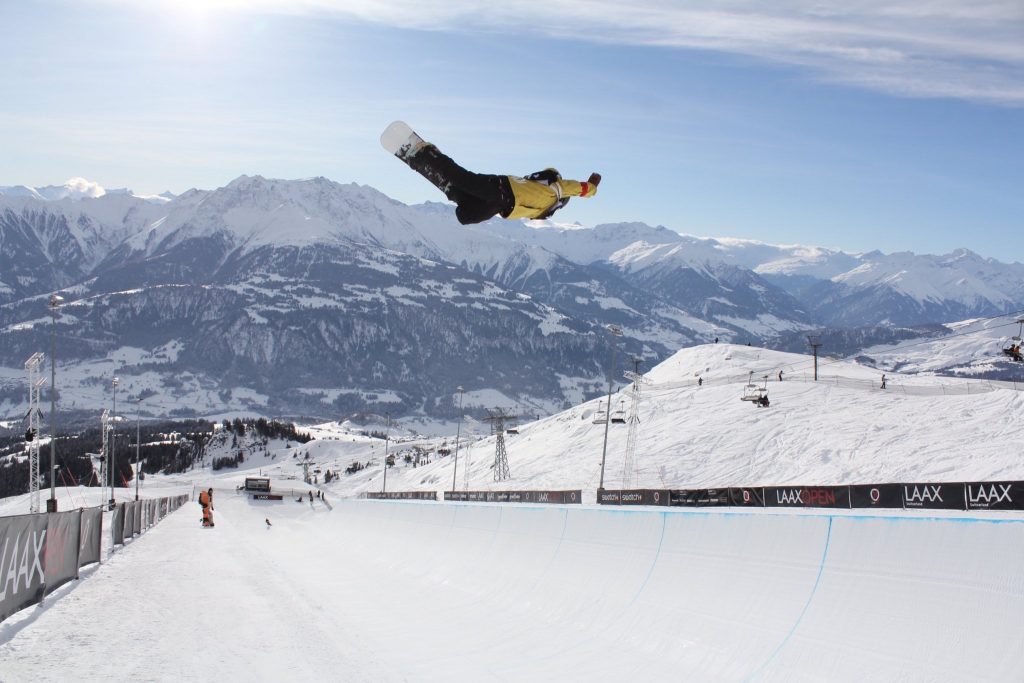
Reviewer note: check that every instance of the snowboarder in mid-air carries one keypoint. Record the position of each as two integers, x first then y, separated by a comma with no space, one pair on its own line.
481,196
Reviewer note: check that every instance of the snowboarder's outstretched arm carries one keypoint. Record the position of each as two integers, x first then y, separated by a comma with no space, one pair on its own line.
540,199
575,188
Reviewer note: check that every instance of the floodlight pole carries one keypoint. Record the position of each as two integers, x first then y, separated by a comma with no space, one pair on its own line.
458,433
387,435
113,445
138,431
814,342
55,300
615,331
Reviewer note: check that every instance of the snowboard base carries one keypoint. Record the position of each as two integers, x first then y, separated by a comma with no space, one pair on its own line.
399,139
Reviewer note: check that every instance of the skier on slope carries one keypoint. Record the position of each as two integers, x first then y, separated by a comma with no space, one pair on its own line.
481,196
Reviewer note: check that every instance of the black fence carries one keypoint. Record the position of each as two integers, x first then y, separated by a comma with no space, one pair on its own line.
573,497
632,497
998,495
401,495
558,497
41,552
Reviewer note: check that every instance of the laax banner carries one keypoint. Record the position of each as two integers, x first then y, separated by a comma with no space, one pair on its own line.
22,540
934,496
807,496
996,495
40,552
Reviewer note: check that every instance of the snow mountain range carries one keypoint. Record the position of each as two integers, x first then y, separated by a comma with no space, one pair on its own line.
313,297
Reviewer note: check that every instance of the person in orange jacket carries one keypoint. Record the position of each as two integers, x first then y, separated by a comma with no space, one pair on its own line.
481,196
204,499
207,516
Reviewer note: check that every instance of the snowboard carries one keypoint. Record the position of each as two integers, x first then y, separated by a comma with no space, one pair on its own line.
398,138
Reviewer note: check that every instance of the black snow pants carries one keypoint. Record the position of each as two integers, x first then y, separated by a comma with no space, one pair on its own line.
479,196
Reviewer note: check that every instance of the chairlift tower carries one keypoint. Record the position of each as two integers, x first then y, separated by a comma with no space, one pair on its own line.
633,433
498,418
105,452
814,341
36,381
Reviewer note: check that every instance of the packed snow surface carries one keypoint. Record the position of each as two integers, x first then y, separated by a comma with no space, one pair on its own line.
397,591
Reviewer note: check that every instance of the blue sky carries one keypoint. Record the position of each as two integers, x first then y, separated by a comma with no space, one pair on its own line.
896,126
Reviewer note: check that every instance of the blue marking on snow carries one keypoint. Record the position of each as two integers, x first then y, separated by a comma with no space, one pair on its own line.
807,606
654,562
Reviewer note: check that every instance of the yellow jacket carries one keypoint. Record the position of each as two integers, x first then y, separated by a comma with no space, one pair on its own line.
535,199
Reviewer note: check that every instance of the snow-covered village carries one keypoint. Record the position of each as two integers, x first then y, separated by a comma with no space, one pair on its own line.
312,364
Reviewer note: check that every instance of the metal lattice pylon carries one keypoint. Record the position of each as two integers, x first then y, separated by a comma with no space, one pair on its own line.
35,384
498,418
633,433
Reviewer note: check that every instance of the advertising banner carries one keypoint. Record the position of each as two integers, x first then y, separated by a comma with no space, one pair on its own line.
888,496
746,497
22,540
129,520
807,496
117,524
60,557
995,495
90,536
699,497
402,495
934,496
570,497
633,497
137,518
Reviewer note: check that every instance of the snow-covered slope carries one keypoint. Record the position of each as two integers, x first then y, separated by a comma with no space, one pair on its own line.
973,348
842,429
384,591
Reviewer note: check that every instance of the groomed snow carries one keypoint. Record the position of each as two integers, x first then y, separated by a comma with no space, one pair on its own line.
385,591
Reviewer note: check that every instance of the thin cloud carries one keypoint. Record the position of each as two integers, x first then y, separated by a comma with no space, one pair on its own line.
916,48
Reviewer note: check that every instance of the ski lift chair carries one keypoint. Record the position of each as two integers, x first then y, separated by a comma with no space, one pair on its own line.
619,416
751,392
601,416
758,395
1013,350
